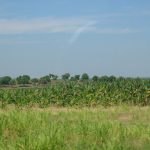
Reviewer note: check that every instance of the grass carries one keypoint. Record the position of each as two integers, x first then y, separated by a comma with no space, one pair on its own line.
113,128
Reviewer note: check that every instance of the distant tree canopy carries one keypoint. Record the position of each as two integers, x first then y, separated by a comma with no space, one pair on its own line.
44,80
66,76
77,77
95,78
5,80
53,77
34,80
107,79
12,82
72,79
25,79
112,78
85,76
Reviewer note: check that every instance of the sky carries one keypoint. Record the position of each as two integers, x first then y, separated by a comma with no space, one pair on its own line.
99,37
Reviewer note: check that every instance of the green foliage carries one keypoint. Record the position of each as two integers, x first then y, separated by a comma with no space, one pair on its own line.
53,77
65,76
12,82
77,77
72,79
44,80
34,81
70,93
84,76
118,128
5,80
95,78
25,79
110,79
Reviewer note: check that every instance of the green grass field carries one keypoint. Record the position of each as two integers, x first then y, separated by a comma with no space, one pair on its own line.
113,128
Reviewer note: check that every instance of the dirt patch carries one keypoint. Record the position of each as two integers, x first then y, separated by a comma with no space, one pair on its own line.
125,117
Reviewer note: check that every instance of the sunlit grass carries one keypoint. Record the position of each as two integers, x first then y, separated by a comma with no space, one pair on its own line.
53,128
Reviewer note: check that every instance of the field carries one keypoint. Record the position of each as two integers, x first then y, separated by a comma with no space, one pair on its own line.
80,93
113,128
76,115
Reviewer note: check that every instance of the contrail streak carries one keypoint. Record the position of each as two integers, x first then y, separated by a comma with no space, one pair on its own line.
80,30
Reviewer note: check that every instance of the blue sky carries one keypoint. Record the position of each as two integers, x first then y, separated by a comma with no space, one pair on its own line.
102,37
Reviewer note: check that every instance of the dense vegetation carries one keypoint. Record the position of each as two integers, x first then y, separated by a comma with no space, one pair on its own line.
76,91
116,128
23,125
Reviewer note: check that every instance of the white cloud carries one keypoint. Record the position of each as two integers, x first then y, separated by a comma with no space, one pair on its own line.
50,25
56,25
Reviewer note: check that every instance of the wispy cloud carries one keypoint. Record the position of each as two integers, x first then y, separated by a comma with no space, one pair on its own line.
49,25
90,29
76,26
15,41
114,30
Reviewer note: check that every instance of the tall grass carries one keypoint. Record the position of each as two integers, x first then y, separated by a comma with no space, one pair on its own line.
116,128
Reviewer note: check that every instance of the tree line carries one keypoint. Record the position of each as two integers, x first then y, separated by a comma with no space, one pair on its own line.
26,79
